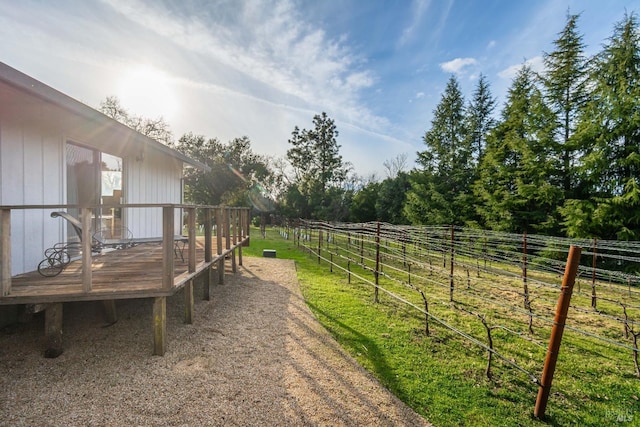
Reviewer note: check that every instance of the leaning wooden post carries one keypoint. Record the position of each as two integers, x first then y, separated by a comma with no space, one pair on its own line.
570,272
377,272
5,252
219,231
208,254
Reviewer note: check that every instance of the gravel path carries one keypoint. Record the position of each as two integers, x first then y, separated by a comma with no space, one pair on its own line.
255,356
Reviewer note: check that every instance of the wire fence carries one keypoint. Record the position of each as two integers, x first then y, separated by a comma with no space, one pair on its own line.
509,283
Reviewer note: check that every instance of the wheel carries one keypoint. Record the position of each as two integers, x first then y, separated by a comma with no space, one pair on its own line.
50,267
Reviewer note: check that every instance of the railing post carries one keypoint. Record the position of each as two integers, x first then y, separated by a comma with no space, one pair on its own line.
5,252
234,236
571,269
240,234
207,253
227,228
219,231
167,247
85,219
191,233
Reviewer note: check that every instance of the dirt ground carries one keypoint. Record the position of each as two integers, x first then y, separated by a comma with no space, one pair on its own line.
254,356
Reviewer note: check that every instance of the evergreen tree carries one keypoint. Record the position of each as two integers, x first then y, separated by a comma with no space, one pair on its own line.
391,198
611,129
479,115
513,187
565,82
318,168
441,192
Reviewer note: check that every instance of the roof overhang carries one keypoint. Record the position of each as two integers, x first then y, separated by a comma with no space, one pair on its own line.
25,84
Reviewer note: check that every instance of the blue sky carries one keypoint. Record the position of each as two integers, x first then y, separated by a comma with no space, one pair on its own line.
228,68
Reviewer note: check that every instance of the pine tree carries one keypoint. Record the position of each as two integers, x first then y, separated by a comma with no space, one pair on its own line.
565,82
513,187
441,192
479,116
611,128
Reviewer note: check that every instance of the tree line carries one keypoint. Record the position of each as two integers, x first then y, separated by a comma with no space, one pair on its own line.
562,157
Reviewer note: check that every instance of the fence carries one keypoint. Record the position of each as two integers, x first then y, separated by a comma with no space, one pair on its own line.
511,283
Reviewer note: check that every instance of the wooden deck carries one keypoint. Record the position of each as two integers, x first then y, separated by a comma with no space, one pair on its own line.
147,270
134,272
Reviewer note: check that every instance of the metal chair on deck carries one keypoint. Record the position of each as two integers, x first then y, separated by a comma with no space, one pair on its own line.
59,256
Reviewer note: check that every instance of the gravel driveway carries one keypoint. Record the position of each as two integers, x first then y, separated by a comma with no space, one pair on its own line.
255,356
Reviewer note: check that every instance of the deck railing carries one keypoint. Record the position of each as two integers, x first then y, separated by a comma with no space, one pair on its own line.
230,222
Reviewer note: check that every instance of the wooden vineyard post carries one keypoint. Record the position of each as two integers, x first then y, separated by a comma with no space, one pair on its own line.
451,268
319,244
593,274
377,272
571,269
525,286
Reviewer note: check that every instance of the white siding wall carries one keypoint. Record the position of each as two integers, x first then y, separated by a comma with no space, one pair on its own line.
156,179
30,174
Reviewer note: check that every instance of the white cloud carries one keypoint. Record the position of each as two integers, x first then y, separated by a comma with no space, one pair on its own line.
491,44
419,95
536,64
273,49
457,65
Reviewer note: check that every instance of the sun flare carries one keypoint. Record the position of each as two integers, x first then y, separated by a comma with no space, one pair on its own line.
147,91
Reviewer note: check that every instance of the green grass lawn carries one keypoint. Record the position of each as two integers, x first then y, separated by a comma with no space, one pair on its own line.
442,376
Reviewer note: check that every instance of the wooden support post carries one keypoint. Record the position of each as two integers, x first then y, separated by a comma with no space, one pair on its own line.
5,252
85,218
189,304
167,247
110,313
159,326
570,272
53,330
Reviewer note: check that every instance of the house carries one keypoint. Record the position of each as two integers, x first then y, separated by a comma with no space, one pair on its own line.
56,154
55,150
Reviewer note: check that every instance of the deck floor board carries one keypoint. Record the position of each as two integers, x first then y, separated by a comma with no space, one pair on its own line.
134,272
